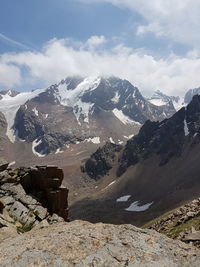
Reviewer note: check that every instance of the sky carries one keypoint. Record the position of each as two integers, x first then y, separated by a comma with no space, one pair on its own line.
154,44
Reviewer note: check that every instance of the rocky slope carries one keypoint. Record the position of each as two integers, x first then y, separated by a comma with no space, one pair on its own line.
155,172
182,223
80,243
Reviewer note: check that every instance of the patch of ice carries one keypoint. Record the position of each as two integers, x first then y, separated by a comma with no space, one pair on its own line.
123,118
158,102
35,111
46,116
116,98
195,134
123,199
136,207
72,98
10,105
94,140
111,140
128,137
113,182
120,142
186,130
34,144
59,151
179,104
11,163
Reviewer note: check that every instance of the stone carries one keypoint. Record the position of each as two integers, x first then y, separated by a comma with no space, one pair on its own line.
80,243
1,206
192,237
3,164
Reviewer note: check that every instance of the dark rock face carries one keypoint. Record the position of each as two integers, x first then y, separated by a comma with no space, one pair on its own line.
51,142
101,161
33,194
3,164
164,138
27,125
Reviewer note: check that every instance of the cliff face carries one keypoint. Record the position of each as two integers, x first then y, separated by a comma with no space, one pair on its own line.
31,195
81,243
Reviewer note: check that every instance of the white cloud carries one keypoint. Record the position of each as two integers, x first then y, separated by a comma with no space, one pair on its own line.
58,59
9,75
95,41
174,19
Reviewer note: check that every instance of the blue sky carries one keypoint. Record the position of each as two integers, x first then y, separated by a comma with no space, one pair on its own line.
151,43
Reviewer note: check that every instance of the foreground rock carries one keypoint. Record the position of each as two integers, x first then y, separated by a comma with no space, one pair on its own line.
31,195
81,243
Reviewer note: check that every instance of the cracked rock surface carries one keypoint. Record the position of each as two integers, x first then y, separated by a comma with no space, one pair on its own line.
80,243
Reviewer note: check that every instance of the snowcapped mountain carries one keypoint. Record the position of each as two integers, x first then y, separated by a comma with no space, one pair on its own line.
77,110
190,93
173,103
155,171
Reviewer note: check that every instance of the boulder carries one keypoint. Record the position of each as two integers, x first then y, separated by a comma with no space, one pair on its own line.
3,164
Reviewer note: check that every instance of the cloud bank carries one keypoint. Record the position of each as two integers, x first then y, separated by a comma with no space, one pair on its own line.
60,58
177,20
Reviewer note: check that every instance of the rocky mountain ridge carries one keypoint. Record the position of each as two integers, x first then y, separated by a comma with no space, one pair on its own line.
75,110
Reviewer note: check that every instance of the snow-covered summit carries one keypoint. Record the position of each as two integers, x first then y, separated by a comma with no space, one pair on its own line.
160,99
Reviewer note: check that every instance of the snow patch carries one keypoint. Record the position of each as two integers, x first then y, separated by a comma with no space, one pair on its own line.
113,182
136,207
59,151
11,163
116,98
35,111
123,118
111,140
186,130
34,145
94,140
128,137
123,199
72,98
179,104
158,102
10,105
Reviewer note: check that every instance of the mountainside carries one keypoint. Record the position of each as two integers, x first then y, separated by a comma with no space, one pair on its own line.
156,171
77,110
80,243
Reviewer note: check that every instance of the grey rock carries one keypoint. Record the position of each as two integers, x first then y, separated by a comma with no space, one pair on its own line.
84,244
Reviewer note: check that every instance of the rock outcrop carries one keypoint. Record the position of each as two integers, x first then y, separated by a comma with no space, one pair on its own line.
31,195
81,243
101,161
182,224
